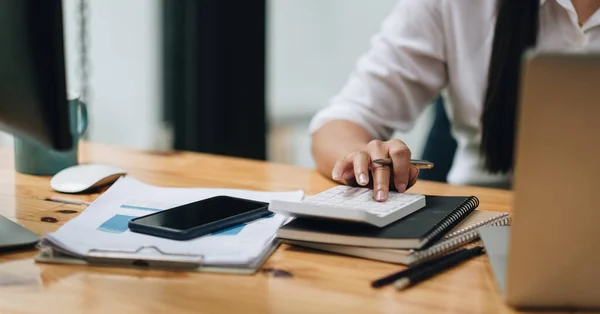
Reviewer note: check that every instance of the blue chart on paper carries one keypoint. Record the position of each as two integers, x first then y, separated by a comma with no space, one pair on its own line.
116,224
119,223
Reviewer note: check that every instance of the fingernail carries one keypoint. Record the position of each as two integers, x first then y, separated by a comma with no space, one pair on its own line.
335,175
401,187
380,195
362,179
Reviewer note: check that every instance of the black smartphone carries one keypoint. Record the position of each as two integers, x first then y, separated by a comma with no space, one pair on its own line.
199,218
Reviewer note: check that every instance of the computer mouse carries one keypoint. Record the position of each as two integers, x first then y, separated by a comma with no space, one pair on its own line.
83,177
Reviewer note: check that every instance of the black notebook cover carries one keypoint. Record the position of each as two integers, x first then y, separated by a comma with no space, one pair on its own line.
416,231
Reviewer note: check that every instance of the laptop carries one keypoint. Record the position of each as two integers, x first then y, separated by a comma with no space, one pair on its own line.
550,256
13,237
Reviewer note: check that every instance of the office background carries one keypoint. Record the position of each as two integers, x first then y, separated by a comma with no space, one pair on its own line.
310,48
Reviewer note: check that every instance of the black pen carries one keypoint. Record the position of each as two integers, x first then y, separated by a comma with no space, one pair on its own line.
446,263
420,164
406,272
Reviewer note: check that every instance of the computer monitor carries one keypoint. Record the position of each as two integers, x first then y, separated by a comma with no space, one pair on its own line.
33,101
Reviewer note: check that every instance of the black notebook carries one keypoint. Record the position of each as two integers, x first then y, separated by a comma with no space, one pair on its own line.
416,231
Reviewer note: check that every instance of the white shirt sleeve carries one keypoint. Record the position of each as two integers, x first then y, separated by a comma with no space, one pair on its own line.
402,72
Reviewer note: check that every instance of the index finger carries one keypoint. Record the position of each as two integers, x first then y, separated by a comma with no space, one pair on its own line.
381,181
381,173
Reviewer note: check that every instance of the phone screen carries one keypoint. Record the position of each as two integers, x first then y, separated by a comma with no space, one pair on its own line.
200,213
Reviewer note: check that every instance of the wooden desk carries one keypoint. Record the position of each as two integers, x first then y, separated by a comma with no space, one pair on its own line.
321,282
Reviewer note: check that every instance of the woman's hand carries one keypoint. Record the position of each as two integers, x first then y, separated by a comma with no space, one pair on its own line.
357,168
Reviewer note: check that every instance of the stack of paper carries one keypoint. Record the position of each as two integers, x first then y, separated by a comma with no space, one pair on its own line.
103,226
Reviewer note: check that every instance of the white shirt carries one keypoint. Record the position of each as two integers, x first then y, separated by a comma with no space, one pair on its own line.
426,46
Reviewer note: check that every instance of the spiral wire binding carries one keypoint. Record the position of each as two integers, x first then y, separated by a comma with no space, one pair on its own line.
464,208
460,237
477,225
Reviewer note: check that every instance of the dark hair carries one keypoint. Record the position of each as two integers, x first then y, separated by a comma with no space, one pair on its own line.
516,30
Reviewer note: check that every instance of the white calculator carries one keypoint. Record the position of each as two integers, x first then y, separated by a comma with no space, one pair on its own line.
353,204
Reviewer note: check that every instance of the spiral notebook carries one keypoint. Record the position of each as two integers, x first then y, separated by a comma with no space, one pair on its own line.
461,235
416,231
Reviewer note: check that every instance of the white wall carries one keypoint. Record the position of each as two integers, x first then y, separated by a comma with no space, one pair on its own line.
313,46
125,55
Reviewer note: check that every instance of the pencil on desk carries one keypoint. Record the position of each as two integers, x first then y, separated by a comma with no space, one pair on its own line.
392,278
445,263
67,201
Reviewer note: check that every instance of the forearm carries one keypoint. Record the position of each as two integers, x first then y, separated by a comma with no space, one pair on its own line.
334,141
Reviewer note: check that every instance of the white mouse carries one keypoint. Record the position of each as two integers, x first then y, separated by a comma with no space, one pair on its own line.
80,178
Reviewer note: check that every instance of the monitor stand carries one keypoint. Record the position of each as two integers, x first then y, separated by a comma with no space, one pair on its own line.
495,240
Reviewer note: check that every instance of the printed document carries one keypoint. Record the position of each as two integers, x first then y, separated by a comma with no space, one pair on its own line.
103,225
